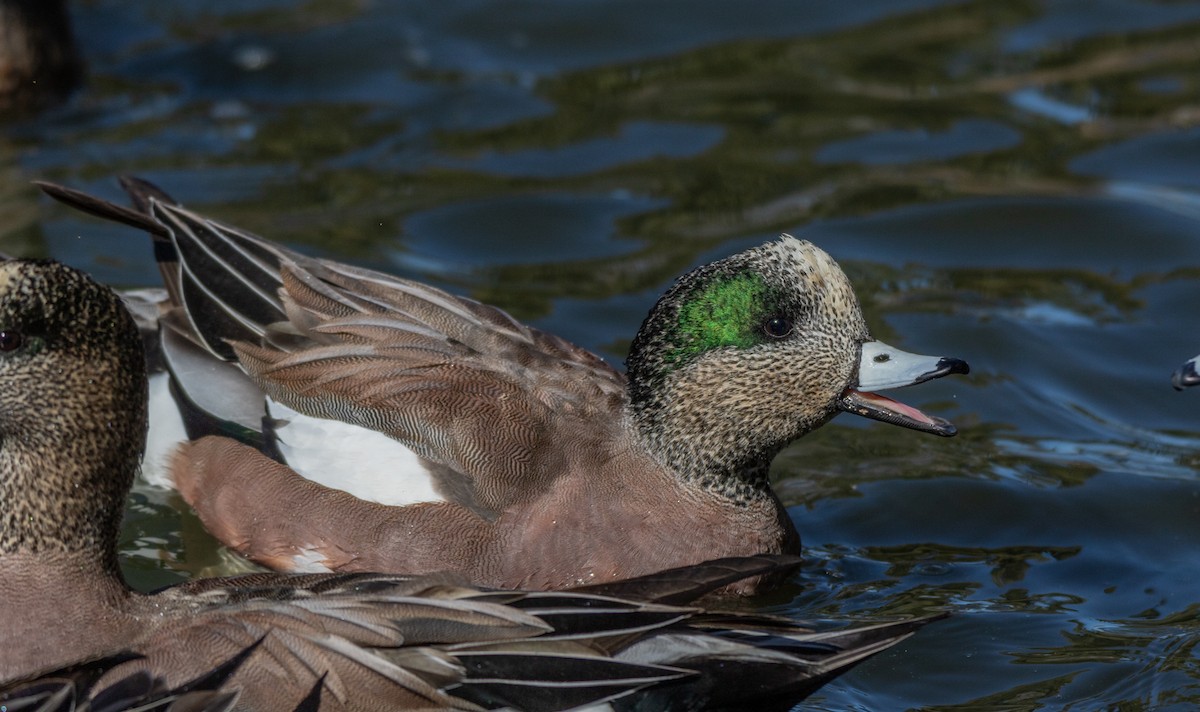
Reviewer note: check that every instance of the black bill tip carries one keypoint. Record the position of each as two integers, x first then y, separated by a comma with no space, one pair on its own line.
946,366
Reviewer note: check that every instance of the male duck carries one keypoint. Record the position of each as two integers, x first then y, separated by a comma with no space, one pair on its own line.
437,433
73,418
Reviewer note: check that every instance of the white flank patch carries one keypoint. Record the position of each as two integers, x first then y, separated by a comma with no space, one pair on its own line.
166,431
310,561
362,462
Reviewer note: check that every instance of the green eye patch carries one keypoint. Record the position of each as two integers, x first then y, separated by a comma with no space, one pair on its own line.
728,311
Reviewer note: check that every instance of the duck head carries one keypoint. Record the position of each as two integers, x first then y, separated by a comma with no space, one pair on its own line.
744,355
72,411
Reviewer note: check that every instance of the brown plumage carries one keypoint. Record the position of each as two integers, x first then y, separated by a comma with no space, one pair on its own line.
73,421
542,466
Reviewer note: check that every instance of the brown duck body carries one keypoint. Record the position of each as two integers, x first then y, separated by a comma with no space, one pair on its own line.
571,535
517,457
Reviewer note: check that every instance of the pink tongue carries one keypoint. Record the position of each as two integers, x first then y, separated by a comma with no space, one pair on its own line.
895,406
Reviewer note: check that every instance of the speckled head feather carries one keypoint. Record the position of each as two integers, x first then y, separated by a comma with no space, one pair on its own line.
72,410
758,346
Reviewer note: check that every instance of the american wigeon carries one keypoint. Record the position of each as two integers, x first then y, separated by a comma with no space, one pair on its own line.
433,432
73,417
1186,375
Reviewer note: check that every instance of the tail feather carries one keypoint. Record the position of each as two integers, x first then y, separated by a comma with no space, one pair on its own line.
536,680
685,584
734,669
227,280
76,689
143,193
104,209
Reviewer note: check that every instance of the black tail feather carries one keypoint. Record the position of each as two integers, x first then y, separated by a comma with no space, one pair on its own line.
685,584
104,209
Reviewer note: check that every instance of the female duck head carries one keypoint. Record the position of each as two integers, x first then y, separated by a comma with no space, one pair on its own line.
72,410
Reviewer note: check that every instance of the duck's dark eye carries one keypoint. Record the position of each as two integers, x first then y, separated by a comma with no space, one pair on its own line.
778,327
11,340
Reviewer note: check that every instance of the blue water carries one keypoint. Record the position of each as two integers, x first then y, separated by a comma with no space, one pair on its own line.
1017,184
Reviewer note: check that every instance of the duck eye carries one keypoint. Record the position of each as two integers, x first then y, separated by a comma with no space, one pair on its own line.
778,327
11,340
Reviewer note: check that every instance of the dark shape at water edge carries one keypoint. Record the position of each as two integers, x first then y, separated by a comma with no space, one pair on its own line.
39,63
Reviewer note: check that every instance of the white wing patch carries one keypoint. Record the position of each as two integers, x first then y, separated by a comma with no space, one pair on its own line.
362,462
166,432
